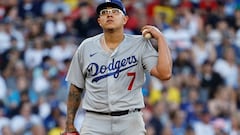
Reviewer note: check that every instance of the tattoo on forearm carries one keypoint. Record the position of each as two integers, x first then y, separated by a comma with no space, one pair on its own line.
74,99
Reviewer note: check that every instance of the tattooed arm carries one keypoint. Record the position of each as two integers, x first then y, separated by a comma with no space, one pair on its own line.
74,99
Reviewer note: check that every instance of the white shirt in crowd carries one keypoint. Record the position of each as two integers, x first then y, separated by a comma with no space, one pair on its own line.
200,128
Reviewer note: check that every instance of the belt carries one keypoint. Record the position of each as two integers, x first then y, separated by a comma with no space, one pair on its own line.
116,113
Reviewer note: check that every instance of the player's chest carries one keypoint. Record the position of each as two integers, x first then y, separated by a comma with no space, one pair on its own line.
104,65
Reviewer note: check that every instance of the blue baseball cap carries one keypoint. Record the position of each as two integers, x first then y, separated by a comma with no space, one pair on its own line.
111,3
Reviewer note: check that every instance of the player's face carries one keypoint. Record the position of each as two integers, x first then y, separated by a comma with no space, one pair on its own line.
112,18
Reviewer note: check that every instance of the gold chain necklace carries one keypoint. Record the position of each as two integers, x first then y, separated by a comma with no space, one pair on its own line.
105,46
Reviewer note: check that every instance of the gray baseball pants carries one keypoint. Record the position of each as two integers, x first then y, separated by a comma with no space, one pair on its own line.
98,124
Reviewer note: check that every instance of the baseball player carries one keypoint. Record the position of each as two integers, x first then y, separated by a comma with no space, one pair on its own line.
110,68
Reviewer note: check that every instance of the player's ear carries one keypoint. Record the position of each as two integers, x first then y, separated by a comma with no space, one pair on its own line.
125,19
99,22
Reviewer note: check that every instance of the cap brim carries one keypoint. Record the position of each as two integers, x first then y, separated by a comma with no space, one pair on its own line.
107,4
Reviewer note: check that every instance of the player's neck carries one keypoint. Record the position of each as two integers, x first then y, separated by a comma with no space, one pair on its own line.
113,36
111,41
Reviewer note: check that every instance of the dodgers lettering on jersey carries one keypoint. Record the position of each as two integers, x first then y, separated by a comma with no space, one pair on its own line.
114,68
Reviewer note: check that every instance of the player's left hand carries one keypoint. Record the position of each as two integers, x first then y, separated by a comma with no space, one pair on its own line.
154,31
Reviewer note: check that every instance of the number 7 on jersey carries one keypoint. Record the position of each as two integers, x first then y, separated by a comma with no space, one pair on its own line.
133,75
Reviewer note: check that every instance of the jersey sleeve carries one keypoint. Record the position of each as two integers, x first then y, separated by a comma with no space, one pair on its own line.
149,56
75,74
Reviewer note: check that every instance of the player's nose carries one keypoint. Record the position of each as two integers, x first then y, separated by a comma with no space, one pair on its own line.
109,15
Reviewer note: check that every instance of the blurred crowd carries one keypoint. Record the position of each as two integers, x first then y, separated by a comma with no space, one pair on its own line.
39,37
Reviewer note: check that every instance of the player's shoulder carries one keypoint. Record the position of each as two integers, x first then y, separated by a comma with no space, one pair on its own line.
89,41
134,37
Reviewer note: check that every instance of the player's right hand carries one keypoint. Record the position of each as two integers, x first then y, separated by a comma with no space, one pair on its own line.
150,31
70,133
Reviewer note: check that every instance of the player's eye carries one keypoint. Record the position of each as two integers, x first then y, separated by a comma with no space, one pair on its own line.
103,12
114,11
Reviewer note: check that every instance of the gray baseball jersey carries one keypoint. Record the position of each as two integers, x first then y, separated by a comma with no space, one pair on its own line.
112,82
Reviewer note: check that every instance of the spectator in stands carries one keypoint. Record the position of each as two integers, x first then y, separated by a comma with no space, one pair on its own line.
12,64
12,32
24,120
33,28
180,42
56,90
202,50
160,21
52,120
204,125
33,55
159,117
191,106
62,50
59,127
21,94
222,105
227,67
42,73
55,24
53,6
225,44
43,107
209,79
178,122
85,23
29,8
183,68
